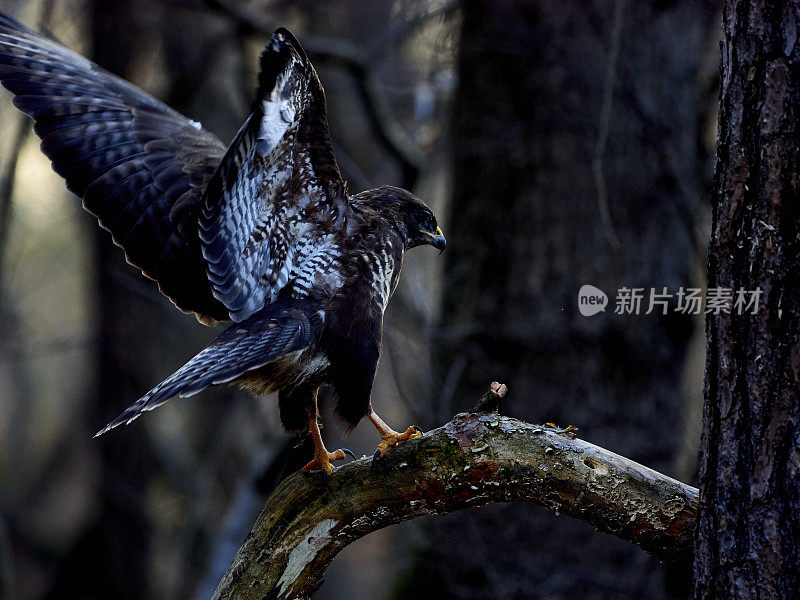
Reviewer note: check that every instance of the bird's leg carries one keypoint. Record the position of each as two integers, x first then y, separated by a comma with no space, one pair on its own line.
322,458
390,437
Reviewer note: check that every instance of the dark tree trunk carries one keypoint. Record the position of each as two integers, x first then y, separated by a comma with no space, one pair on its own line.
748,543
111,558
131,316
576,163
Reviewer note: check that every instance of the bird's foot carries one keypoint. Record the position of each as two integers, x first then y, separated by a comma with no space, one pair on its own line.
323,461
391,438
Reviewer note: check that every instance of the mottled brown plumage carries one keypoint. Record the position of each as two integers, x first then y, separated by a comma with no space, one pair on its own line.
263,233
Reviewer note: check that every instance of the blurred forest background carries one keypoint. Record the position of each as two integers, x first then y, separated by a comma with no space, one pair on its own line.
560,142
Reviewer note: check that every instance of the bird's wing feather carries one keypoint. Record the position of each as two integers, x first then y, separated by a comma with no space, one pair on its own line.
276,210
139,166
242,347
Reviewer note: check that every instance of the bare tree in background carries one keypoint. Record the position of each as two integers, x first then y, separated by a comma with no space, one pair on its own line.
576,162
119,538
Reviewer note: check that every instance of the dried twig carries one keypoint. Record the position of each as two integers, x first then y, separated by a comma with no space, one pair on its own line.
603,128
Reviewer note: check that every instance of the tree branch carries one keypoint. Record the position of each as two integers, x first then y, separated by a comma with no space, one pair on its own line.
475,459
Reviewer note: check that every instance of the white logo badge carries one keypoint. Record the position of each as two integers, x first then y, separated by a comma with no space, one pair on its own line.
591,300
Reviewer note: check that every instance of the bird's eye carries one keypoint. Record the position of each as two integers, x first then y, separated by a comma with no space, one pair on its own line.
425,220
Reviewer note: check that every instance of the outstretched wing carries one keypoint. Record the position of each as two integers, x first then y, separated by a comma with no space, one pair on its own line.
139,166
245,346
276,210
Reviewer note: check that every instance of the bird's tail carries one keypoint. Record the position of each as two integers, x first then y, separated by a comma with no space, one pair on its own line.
245,346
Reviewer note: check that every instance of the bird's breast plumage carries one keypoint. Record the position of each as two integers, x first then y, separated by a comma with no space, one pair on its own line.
379,259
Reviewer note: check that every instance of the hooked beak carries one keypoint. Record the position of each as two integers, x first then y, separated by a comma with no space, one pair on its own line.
437,239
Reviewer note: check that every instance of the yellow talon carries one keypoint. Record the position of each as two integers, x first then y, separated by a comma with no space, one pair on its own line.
323,460
390,437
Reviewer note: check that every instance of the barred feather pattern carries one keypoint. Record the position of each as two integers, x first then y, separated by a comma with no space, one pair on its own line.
222,232
270,224
241,348
139,166
263,233
383,265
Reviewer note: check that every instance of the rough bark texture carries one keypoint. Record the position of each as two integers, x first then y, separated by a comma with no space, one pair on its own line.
575,127
475,459
748,543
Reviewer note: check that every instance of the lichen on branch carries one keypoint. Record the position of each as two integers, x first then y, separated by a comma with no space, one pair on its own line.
474,460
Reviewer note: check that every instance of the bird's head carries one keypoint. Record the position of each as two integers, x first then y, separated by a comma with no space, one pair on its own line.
410,215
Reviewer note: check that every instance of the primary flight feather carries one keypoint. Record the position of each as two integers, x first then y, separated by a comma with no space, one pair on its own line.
262,233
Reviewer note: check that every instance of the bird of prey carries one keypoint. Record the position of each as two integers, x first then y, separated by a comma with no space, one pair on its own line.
262,233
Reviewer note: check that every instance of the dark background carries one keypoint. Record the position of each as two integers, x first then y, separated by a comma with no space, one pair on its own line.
560,143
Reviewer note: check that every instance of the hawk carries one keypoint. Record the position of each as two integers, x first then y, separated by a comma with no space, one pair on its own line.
262,233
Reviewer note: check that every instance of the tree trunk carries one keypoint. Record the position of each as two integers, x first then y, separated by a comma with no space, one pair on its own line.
118,541
576,163
748,542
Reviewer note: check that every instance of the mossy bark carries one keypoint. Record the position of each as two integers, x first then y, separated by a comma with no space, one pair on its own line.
474,460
